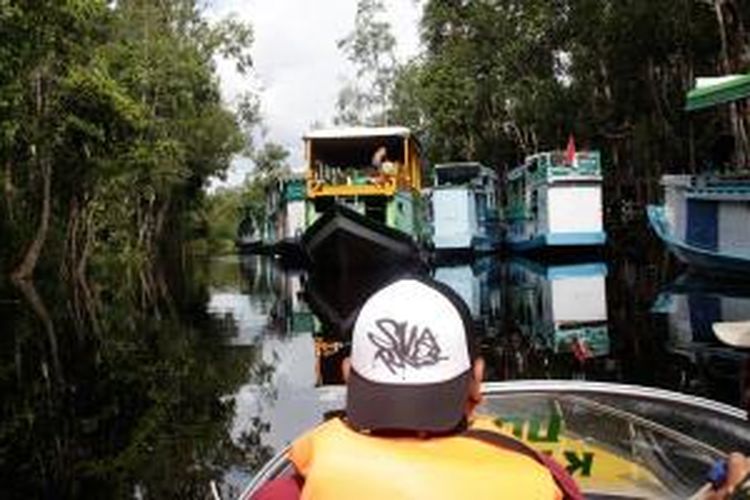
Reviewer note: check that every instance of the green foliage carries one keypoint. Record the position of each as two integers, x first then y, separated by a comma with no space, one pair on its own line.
371,48
223,212
117,105
500,79
226,208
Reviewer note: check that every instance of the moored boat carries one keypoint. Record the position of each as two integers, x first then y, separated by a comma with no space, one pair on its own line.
617,441
465,216
364,201
704,218
344,241
554,201
704,221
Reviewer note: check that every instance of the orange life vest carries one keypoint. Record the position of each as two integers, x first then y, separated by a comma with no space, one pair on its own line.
338,462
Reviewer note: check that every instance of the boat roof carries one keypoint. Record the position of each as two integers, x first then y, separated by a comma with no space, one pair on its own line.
463,165
356,132
459,164
711,91
461,172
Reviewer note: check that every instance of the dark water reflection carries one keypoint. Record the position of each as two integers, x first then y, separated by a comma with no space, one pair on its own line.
114,399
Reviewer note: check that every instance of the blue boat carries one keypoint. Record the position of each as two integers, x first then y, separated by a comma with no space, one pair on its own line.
705,221
554,202
465,216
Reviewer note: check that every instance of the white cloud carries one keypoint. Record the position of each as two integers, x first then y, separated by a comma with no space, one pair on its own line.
298,67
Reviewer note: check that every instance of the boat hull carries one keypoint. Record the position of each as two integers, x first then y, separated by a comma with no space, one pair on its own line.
617,441
248,246
342,239
698,258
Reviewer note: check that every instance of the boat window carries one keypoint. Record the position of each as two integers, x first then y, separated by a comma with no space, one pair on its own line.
354,152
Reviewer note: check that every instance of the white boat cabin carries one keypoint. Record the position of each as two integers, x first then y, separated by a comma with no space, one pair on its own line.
552,202
285,210
464,207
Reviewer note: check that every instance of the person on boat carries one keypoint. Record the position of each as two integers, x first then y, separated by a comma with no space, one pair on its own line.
380,163
409,429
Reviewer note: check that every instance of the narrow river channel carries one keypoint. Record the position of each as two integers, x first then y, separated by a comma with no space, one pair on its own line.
158,404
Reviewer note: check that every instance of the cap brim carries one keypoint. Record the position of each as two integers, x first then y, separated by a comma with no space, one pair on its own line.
387,407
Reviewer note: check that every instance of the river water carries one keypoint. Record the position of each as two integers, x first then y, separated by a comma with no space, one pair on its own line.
104,400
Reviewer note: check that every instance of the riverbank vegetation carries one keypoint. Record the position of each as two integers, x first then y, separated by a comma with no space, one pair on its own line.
228,205
111,123
499,80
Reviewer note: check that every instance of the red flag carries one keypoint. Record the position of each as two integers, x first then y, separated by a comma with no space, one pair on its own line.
570,152
580,350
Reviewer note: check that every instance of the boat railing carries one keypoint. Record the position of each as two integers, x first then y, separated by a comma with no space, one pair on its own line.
555,165
352,185
331,181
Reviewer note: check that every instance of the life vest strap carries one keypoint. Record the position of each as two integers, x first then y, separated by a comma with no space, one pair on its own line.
563,480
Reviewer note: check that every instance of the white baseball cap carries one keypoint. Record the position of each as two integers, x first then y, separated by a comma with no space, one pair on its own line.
411,359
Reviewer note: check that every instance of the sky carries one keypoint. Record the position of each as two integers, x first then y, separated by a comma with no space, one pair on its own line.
297,67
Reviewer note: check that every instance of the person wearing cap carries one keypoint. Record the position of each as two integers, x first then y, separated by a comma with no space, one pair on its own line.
409,431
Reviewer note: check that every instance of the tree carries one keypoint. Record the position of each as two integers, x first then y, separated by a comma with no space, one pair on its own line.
111,125
371,48
500,79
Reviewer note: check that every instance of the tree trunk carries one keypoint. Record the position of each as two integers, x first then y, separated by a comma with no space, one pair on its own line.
8,187
161,217
25,269
725,64
724,58
37,304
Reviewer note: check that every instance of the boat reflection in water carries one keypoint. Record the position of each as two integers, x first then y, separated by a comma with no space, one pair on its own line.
477,283
561,308
621,441
280,397
692,304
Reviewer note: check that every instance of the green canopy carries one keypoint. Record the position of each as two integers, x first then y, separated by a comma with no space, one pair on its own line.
712,91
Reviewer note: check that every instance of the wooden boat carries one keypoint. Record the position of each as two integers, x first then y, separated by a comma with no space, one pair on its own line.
344,240
359,214
554,201
704,219
465,215
617,441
